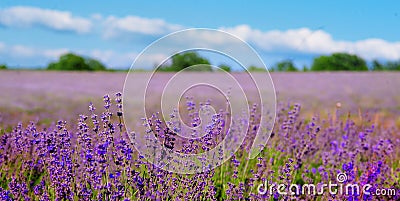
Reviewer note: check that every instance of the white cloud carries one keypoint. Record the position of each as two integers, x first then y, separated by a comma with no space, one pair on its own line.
290,42
104,55
116,59
53,53
305,40
377,48
96,16
2,46
111,58
22,16
113,26
22,52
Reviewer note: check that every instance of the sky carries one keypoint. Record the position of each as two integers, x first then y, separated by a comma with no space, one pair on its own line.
34,33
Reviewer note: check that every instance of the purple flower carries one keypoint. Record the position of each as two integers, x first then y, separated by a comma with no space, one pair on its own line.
361,135
313,170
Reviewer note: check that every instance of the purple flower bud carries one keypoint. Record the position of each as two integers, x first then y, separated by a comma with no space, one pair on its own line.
313,170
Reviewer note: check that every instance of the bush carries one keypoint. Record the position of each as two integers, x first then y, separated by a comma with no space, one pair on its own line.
184,60
392,65
72,62
388,66
377,66
225,67
3,67
339,62
285,66
256,69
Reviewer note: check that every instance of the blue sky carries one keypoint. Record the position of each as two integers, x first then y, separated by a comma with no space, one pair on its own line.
34,33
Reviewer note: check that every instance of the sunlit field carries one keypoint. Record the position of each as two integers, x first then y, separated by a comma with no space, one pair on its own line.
62,138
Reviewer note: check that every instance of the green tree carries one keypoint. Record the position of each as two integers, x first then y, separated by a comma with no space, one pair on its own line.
72,61
285,66
256,69
377,66
225,67
3,67
392,66
95,64
187,59
388,66
339,62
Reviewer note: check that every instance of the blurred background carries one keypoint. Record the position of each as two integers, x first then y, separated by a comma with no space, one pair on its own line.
35,33
43,45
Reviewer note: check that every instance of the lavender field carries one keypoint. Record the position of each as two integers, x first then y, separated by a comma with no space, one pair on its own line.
56,145
39,96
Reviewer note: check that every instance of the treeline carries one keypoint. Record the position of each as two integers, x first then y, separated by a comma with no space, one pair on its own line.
333,62
339,62
71,62
74,62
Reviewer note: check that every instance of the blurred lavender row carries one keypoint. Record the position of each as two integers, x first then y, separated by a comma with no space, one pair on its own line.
28,94
61,138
